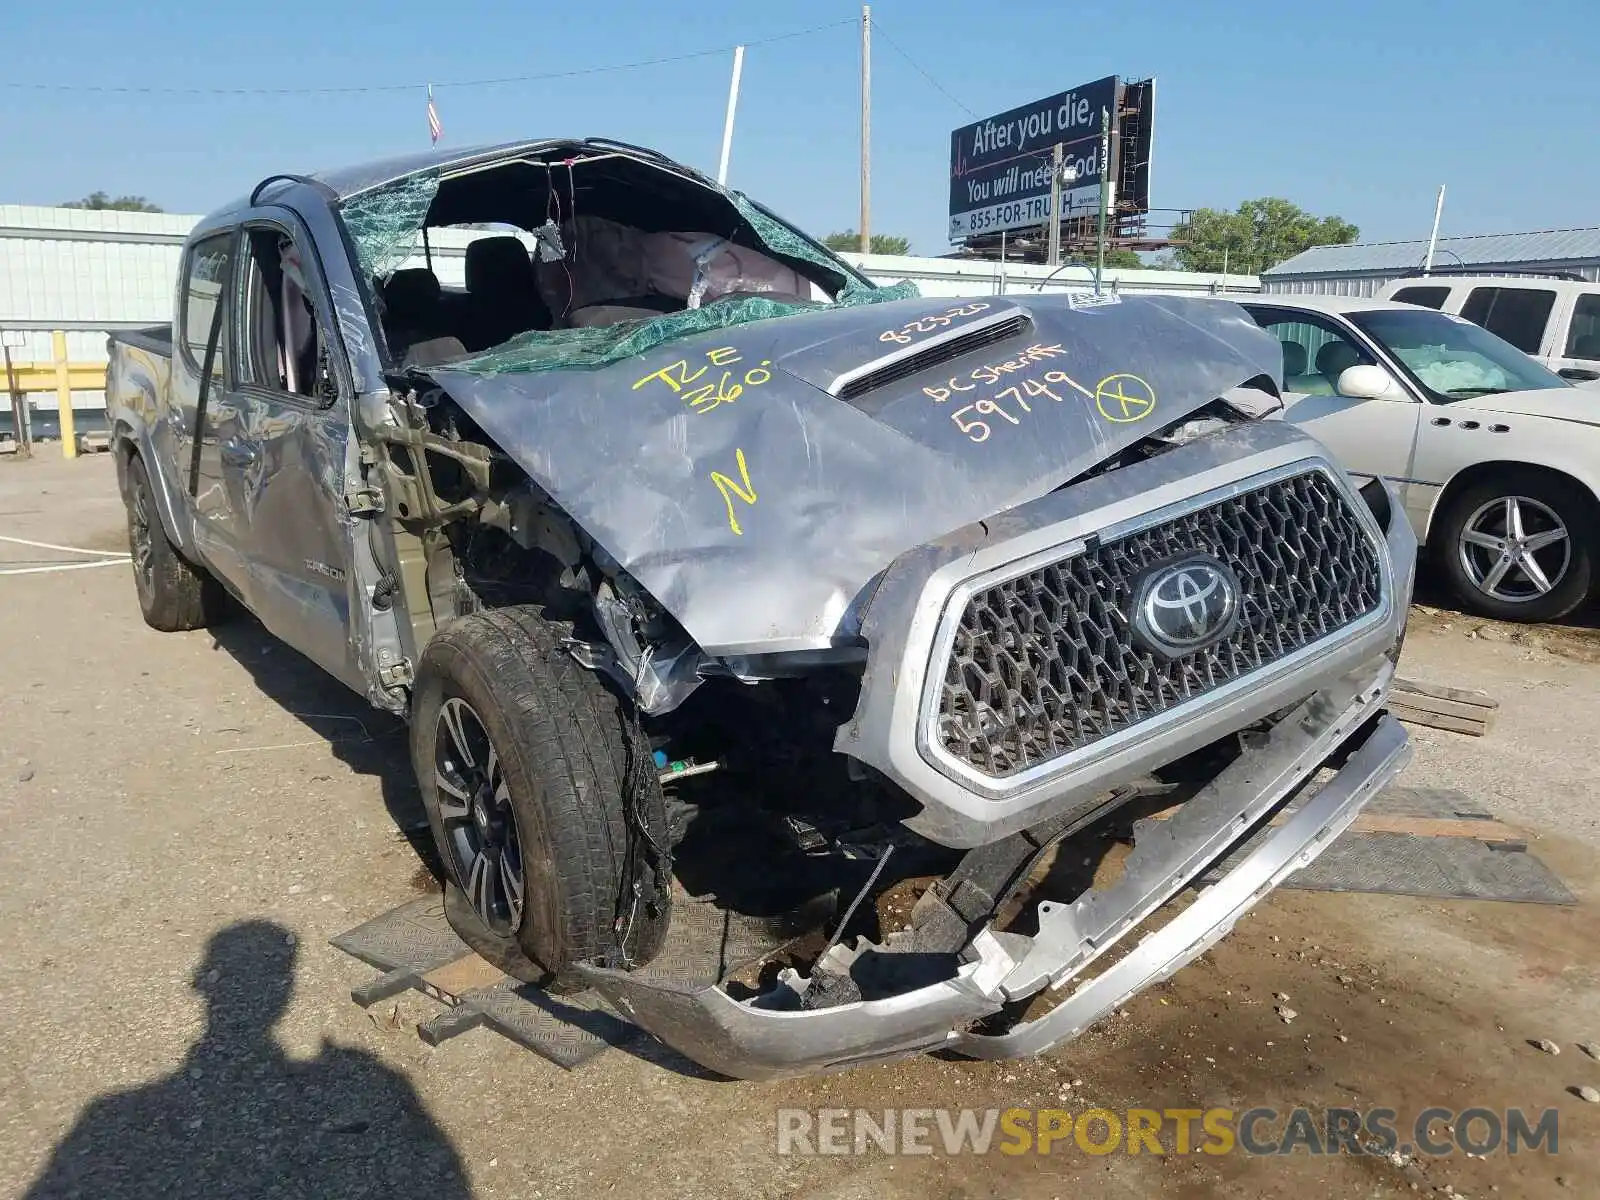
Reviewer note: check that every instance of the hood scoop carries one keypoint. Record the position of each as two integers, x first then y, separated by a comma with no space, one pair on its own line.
929,352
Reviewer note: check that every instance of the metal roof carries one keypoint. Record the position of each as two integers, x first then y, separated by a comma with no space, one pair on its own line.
1490,249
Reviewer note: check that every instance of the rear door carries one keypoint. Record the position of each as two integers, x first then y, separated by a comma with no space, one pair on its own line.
1577,355
283,463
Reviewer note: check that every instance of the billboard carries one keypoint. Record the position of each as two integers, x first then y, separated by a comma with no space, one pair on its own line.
1000,167
1135,144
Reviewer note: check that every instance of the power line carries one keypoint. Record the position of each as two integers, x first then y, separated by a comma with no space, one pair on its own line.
409,87
943,91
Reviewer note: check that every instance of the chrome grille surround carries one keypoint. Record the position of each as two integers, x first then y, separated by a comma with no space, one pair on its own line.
1311,564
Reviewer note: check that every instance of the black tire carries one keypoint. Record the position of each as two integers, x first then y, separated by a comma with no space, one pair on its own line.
1463,548
563,795
174,594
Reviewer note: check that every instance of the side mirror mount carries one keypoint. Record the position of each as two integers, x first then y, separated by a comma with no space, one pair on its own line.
1367,382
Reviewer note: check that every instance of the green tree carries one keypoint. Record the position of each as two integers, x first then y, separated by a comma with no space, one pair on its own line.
1117,256
100,201
1260,234
882,243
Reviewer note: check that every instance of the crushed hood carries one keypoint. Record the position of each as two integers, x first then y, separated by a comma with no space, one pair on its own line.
757,478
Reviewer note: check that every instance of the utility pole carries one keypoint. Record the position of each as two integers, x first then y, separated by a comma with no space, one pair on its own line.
733,106
1054,259
19,411
1433,238
865,244
1105,180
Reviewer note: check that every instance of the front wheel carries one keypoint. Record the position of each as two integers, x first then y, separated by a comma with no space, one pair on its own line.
543,798
1518,547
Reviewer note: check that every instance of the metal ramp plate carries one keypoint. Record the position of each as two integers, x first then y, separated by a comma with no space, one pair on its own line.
416,948
1392,851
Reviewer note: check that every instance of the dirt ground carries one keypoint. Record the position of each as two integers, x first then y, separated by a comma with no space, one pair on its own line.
188,818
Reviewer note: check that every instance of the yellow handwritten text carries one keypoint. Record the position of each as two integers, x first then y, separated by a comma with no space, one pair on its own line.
991,373
1124,398
743,490
710,395
902,336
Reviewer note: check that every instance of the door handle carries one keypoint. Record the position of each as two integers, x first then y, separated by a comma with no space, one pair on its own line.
238,454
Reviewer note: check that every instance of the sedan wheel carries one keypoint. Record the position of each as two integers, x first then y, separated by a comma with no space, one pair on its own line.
479,824
1515,549
1518,545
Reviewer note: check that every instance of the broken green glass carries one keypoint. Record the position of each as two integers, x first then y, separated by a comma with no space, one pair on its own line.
584,349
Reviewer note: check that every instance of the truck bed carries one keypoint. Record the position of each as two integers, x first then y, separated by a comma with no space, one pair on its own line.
139,364
155,339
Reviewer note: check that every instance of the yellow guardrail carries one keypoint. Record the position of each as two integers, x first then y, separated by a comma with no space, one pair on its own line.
61,377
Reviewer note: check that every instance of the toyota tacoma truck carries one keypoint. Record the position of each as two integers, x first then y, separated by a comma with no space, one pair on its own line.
641,506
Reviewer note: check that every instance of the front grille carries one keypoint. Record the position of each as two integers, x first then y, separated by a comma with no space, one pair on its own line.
1046,663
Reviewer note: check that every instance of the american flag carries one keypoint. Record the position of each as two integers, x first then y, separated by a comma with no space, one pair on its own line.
435,129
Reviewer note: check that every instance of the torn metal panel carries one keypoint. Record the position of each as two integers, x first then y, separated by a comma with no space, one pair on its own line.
756,478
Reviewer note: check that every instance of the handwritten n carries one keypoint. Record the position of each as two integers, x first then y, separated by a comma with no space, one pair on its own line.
744,490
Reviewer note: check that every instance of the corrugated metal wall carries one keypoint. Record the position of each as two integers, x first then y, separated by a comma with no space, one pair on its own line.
1369,283
1333,285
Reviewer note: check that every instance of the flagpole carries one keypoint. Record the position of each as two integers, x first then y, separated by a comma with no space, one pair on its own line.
733,105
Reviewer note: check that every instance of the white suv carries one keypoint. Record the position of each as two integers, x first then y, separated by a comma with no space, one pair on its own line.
1556,321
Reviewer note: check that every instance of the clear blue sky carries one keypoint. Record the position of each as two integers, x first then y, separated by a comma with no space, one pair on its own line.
1356,107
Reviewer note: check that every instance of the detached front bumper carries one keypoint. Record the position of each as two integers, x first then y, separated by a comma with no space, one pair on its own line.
775,1035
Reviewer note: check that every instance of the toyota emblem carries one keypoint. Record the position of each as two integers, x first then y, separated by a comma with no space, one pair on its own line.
1184,605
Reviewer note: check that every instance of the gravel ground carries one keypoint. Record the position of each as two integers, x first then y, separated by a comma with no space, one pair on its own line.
189,818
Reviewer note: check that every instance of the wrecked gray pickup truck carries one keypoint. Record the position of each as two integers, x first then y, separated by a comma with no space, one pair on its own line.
669,521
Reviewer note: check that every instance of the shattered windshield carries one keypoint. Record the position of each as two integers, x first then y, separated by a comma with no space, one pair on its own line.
1451,358
575,263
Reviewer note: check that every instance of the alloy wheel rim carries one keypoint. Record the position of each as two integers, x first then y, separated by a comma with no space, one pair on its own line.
475,808
139,529
1515,549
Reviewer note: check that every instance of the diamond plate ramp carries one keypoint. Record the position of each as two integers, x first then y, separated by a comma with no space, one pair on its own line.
416,949
1454,867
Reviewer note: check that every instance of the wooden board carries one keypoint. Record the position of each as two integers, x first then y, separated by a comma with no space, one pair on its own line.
1441,692
453,980
1459,710
1434,720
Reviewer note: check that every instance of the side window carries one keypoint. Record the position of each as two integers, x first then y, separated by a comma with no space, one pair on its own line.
205,276
1315,351
281,346
1428,297
1583,339
1516,314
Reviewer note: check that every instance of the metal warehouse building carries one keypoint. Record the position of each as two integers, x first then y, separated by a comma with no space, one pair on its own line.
1361,270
